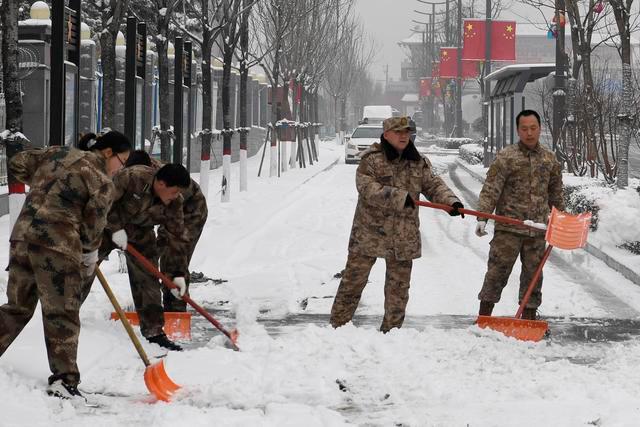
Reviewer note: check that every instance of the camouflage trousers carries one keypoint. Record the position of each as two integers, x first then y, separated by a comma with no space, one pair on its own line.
170,302
354,279
40,274
505,248
145,288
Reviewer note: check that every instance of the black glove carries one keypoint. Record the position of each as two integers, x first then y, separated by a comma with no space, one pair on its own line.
408,203
455,211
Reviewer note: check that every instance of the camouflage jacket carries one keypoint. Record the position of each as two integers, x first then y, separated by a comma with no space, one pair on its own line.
382,226
69,198
138,210
522,183
178,253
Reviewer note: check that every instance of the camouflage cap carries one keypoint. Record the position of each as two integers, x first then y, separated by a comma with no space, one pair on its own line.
396,123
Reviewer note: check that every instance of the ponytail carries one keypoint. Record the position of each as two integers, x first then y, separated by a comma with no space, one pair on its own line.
115,140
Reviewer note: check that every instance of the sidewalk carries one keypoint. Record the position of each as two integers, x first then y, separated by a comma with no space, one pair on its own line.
595,247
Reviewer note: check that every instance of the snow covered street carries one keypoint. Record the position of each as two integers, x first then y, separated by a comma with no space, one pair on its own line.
279,246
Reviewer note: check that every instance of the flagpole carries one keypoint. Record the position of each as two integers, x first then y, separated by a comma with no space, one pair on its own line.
559,92
488,139
458,127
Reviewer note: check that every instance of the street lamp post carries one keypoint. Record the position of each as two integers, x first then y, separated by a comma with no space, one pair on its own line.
433,53
559,89
487,85
459,131
428,38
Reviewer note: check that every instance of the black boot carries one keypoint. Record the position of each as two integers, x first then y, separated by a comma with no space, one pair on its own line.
62,390
165,342
486,308
529,314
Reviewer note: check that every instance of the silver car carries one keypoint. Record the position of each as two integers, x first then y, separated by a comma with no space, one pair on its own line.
360,140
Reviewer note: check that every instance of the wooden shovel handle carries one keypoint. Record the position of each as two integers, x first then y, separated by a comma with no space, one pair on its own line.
499,218
169,283
123,318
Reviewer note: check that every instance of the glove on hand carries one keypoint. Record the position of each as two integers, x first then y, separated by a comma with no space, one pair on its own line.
408,203
480,226
120,239
181,287
455,211
89,260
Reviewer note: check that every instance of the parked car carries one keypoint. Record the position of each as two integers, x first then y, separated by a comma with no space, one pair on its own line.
360,140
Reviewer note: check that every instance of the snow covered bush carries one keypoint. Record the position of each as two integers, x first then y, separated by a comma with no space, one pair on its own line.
471,153
453,143
614,211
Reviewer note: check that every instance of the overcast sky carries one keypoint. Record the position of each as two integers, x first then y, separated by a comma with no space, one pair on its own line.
389,21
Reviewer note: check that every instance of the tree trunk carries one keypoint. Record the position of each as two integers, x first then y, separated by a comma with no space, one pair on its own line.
227,132
622,14
244,77
162,44
207,104
275,115
13,99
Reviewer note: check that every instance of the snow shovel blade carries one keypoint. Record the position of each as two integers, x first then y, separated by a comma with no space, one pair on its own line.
158,382
524,330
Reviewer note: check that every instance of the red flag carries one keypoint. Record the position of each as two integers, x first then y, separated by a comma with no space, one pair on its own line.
449,64
437,88
503,40
425,87
298,93
473,46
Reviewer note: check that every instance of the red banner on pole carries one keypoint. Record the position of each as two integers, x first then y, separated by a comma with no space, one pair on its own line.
298,93
425,87
473,46
503,40
437,88
449,65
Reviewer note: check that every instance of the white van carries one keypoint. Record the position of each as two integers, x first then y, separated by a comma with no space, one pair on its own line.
374,114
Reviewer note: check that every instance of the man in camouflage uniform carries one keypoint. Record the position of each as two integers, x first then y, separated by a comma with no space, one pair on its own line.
391,175
146,197
175,255
60,224
523,182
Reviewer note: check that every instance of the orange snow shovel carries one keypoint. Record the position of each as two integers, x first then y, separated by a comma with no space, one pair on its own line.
233,335
564,231
155,376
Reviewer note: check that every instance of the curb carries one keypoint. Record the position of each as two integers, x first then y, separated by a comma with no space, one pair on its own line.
628,273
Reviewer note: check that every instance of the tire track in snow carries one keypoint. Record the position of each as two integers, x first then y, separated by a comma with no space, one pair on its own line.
609,302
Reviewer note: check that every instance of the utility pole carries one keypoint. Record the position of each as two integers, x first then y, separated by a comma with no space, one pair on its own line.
487,86
458,132
559,93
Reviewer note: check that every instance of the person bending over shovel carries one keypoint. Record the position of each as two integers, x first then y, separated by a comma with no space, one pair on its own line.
146,197
523,182
175,254
391,175
54,245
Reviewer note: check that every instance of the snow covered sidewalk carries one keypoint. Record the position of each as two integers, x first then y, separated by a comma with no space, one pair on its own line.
279,245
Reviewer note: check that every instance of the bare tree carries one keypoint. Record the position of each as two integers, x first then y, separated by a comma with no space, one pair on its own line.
159,14
11,83
112,13
273,20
